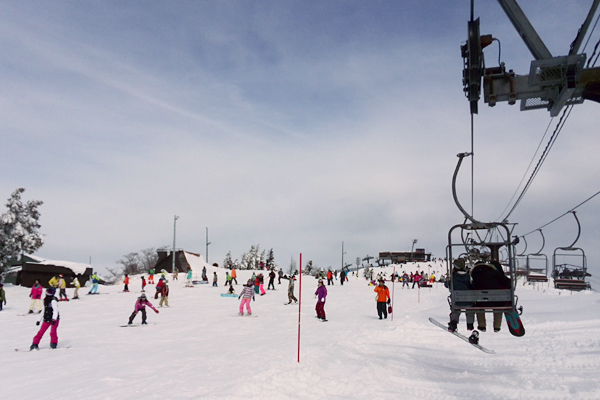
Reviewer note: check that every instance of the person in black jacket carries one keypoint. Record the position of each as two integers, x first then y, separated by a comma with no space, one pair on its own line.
460,281
489,276
51,318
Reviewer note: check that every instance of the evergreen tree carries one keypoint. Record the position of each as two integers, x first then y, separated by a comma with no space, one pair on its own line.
228,262
271,264
19,228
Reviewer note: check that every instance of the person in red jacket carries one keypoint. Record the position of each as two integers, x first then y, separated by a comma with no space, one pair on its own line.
383,298
329,278
164,295
36,297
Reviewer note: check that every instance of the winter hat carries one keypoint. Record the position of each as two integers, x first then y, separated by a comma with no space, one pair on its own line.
50,291
143,296
459,263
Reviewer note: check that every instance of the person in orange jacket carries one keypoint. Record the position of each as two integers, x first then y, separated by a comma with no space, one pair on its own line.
126,283
383,298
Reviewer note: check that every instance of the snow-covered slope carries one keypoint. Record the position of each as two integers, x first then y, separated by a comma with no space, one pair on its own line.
200,348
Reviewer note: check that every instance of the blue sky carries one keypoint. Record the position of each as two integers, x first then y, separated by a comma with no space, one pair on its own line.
294,125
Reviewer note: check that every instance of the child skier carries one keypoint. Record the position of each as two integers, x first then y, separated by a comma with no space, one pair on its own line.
164,295
143,284
189,279
36,296
321,294
76,285
215,279
140,305
50,318
246,295
62,284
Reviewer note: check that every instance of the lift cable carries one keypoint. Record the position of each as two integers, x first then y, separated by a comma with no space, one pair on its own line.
559,126
562,215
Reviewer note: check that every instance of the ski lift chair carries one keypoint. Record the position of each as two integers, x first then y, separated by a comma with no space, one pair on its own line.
570,275
484,246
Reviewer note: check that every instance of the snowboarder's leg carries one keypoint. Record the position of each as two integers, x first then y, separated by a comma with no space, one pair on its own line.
143,310
54,333
131,317
481,321
497,321
40,334
248,306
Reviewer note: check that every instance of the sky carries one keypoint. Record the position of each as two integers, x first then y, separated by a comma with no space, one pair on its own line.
296,125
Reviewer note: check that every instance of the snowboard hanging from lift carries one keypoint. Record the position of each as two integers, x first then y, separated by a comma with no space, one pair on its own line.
515,325
463,337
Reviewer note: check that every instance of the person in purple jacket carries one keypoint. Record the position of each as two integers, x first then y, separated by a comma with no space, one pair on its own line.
321,294
140,305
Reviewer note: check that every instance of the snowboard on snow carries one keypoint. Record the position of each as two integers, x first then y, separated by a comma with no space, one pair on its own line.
515,325
43,348
229,295
463,337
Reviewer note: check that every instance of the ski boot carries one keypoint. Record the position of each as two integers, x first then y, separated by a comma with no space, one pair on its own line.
474,338
53,345
452,326
470,327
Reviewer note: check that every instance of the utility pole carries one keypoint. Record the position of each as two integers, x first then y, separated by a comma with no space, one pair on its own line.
207,243
174,236
343,255
412,250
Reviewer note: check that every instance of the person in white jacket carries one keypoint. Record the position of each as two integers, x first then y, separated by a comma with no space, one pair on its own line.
50,318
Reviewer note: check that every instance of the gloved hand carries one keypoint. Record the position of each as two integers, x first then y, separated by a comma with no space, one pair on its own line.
156,311
239,297
37,323
253,299
323,299
53,322
389,301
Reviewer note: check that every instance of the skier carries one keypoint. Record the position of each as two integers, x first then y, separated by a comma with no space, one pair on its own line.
126,283
50,318
75,283
460,281
36,296
383,298
321,294
271,280
416,280
2,296
246,294
63,288
291,296
140,305
143,283
164,295
234,275
405,279
95,280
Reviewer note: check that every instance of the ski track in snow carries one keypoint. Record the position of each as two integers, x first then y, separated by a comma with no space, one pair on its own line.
196,350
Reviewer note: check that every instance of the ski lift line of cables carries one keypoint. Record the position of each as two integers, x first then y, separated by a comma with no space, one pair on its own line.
562,215
528,168
595,47
559,126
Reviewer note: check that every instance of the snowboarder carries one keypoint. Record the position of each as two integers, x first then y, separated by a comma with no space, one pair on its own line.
175,274
383,298
143,283
231,290
36,297
405,279
2,296
63,288
50,318
330,277
342,277
53,282
140,305
126,283
489,276
280,274
321,294
291,296
261,283
75,283
159,286
189,279
204,277
215,279
164,295
227,279
246,295
460,281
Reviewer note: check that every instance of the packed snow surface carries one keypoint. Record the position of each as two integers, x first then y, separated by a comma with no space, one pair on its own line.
199,348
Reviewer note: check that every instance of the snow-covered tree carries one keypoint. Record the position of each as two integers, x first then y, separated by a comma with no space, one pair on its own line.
19,228
271,264
293,268
228,262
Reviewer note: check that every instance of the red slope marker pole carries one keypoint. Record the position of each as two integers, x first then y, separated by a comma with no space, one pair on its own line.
299,305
